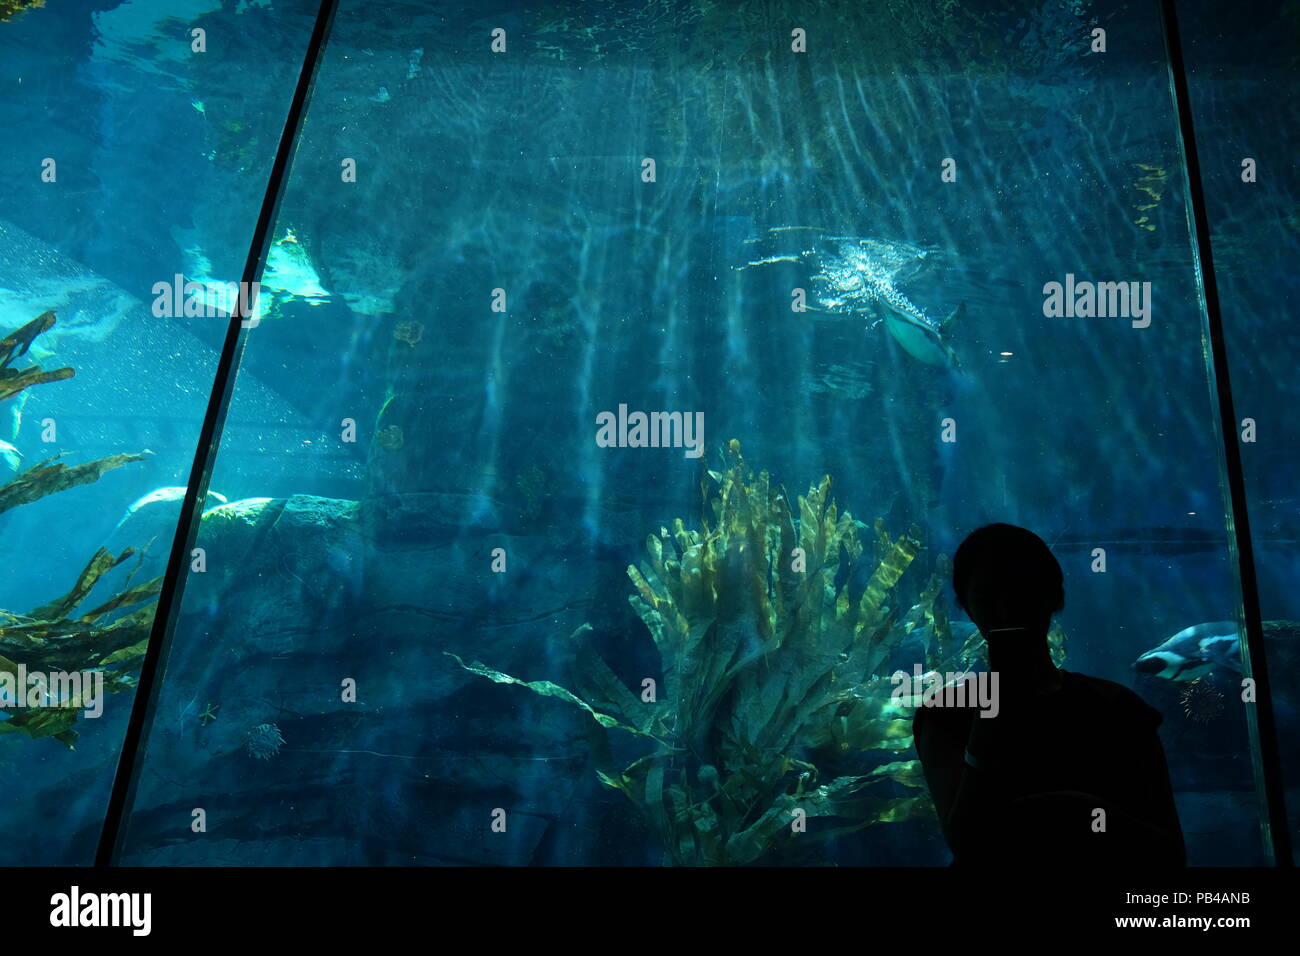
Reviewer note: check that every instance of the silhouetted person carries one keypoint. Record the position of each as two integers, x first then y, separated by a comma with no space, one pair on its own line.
1024,787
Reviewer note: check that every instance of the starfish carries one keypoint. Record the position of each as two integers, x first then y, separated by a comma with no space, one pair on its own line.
209,715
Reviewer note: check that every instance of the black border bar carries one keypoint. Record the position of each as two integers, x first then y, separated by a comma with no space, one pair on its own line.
1277,835
349,908
155,659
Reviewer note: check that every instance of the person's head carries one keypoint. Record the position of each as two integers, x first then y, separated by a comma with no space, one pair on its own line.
1007,577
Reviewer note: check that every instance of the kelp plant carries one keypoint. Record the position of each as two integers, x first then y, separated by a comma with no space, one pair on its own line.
53,638
11,8
773,658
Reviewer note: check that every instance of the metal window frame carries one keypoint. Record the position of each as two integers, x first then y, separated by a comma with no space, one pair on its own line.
130,758
1259,718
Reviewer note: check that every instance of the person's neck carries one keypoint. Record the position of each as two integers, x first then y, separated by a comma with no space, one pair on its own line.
1023,662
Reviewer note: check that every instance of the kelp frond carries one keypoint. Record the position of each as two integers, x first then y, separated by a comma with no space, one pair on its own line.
50,639
45,478
15,345
11,8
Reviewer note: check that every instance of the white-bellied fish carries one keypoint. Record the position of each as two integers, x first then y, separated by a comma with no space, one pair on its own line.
170,496
11,455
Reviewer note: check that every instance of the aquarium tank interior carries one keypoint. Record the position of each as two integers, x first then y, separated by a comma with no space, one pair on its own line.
538,433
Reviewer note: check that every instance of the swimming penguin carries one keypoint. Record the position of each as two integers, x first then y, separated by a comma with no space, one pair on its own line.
1193,652
920,337
862,276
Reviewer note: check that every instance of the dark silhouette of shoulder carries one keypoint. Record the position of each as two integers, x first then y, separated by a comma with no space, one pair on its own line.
1115,699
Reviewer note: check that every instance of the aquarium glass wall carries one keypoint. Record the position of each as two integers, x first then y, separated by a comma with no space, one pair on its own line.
121,146
1242,74
622,380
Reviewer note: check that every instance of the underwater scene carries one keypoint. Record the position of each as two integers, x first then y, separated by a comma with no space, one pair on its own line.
589,459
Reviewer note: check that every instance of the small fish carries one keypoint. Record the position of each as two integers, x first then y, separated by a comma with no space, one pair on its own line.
12,456
769,261
17,415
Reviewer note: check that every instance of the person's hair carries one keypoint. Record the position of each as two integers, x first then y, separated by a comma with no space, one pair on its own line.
1018,554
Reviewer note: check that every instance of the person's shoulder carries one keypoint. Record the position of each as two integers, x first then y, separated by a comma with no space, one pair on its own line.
1112,695
1097,685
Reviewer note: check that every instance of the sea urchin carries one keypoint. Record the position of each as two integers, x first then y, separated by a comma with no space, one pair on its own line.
264,741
